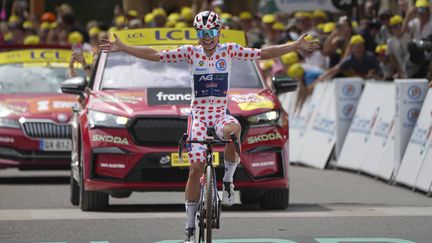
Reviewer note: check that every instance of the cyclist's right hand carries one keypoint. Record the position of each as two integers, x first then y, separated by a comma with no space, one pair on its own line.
111,46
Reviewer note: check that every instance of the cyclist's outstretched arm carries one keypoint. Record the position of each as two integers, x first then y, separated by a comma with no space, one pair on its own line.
137,51
279,50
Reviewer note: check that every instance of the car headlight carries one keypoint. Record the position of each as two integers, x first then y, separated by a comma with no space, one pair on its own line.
101,119
270,117
10,123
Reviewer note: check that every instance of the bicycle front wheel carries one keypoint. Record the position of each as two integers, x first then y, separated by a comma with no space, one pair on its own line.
209,203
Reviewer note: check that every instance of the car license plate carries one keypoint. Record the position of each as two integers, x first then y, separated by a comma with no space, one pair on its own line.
55,145
176,163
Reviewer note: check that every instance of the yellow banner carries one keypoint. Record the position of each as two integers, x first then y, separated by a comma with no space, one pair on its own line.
40,55
175,162
174,36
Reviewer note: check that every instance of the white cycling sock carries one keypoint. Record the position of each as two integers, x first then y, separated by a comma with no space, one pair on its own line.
191,208
230,168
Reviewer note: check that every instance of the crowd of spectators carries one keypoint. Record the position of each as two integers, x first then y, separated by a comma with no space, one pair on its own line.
378,44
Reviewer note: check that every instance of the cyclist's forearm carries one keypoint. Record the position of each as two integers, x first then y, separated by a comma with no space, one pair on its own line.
141,52
278,50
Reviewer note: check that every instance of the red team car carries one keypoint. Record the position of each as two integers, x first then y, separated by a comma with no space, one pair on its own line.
35,130
125,135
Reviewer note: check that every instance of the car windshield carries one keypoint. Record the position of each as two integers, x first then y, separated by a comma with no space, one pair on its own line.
21,78
123,71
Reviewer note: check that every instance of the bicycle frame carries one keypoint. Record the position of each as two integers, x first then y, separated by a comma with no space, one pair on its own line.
216,206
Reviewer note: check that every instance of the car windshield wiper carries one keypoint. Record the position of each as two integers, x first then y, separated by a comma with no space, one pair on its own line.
109,88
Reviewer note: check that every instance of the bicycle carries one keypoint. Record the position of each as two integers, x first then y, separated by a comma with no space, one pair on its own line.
209,204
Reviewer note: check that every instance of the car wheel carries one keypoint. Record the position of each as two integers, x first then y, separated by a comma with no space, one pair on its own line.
74,191
275,199
91,200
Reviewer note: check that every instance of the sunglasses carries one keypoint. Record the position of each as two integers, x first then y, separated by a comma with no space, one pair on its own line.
211,33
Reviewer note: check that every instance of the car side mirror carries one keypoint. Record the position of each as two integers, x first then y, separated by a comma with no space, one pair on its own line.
284,84
75,85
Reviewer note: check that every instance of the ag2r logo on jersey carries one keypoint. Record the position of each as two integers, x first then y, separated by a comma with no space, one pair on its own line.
213,84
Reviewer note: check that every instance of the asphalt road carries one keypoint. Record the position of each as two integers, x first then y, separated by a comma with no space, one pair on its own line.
329,206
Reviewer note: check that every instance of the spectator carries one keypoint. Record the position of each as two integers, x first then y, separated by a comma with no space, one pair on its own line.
336,44
304,23
384,33
296,72
418,21
398,46
387,70
159,15
252,33
360,63
31,40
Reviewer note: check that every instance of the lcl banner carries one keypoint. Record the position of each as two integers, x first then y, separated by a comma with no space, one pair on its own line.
348,92
410,94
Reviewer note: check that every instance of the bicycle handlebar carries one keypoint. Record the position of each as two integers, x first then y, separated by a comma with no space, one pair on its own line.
209,142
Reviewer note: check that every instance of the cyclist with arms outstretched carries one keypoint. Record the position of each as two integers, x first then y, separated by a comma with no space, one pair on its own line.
209,65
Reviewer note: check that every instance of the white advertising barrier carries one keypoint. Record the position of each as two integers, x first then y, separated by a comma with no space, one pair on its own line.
386,168
410,94
347,91
424,178
300,121
381,136
363,125
320,138
288,101
416,151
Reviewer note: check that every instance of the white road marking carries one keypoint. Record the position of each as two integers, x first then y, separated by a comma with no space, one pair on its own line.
339,211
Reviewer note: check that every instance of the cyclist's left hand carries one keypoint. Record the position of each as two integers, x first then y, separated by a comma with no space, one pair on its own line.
308,45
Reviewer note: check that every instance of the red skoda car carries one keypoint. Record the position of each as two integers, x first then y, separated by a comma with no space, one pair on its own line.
125,136
35,130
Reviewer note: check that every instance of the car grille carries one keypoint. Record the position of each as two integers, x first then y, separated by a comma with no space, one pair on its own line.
164,131
47,130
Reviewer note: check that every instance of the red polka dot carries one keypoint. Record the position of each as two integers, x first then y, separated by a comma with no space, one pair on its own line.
252,54
191,62
240,54
204,57
195,102
210,117
199,133
202,128
241,48
178,49
232,55
201,26
190,155
217,56
224,101
203,101
230,47
189,49
217,116
194,139
219,101
202,112
259,54
198,160
208,26
197,55
202,118
179,55
167,55
161,57
246,55
196,124
253,49
223,54
211,123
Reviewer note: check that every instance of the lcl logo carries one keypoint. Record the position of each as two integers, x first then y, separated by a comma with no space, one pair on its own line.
45,55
